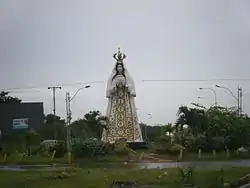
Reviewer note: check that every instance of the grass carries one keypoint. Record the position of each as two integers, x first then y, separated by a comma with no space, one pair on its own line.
95,178
28,160
114,158
187,156
219,156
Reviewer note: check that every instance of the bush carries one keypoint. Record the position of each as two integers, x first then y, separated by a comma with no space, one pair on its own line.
88,148
60,149
164,146
121,147
109,148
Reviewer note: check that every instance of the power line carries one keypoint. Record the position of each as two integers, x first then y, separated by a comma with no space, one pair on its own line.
146,80
199,80
20,91
44,86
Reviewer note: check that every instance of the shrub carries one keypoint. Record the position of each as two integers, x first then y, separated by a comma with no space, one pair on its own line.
121,147
88,148
109,148
60,149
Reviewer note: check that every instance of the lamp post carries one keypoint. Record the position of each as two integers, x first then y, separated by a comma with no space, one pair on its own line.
146,132
238,99
145,128
198,105
213,91
201,97
68,120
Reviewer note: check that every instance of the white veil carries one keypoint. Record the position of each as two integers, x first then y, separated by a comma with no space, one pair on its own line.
129,81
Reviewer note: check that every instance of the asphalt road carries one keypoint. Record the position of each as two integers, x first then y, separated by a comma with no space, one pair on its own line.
195,164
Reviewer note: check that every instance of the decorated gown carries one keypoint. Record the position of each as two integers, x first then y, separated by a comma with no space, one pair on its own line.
121,111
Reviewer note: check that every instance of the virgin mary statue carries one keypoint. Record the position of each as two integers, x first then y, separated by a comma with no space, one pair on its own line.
121,111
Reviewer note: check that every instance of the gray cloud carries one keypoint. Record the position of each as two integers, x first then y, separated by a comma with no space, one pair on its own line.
55,42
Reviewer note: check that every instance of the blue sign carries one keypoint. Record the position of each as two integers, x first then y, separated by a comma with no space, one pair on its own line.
20,123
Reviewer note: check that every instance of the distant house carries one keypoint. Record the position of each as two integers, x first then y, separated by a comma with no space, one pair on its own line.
18,117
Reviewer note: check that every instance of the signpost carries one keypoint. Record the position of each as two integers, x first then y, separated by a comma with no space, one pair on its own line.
21,123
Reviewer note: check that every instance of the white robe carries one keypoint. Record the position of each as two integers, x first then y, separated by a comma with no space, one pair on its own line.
121,111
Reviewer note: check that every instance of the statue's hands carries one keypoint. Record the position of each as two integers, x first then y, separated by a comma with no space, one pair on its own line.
113,89
127,88
130,90
133,94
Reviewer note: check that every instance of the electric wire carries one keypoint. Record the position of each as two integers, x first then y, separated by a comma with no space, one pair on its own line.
199,80
31,88
13,89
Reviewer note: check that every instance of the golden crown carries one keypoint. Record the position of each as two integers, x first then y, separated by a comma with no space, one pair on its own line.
119,56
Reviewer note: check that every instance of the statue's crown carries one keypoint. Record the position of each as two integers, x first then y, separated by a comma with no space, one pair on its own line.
119,56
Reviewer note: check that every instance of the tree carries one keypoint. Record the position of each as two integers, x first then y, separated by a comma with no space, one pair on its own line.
5,98
213,128
90,126
194,118
51,125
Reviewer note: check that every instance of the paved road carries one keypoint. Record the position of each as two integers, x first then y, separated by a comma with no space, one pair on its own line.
199,164
30,167
195,164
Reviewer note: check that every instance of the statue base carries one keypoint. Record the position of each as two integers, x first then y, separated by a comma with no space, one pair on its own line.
138,145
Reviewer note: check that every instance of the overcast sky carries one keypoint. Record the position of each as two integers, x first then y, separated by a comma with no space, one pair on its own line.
57,42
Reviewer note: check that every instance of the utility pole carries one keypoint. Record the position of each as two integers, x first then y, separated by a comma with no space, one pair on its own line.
68,127
54,88
68,121
240,94
238,98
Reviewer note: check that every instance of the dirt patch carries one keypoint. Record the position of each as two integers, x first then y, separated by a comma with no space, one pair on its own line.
130,184
153,158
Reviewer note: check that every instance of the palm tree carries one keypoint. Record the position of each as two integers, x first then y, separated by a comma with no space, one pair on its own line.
194,118
90,126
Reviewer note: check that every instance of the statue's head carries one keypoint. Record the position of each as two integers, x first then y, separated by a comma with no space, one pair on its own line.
119,68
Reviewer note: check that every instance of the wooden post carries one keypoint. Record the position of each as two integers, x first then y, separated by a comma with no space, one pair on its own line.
141,156
5,157
69,158
181,154
227,152
21,156
53,155
199,153
214,152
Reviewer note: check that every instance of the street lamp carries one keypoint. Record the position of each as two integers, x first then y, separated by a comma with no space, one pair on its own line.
145,128
69,117
87,86
213,91
201,97
236,98
198,105
146,131
222,87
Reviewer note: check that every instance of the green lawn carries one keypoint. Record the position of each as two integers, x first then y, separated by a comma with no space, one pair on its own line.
219,156
114,158
95,178
15,159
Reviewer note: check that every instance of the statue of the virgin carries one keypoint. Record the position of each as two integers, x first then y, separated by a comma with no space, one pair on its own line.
121,111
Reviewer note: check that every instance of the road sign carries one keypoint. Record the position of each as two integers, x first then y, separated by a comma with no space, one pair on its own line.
21,123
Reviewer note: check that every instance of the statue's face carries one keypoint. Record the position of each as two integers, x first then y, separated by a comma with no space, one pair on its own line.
119,68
